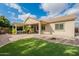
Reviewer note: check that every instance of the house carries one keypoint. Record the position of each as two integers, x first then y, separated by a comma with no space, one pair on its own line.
63,26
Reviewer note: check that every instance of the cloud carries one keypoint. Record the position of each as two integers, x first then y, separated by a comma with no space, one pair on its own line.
53,8
12,13
24,16
13,17
77,22
73,10
60,9
14,6
21,16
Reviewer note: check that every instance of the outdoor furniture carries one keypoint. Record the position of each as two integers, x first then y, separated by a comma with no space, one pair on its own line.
21,32
2,32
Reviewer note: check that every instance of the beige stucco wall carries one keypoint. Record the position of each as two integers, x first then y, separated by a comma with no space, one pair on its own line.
68,31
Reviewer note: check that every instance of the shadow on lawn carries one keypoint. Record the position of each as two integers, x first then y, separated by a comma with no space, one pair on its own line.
36,47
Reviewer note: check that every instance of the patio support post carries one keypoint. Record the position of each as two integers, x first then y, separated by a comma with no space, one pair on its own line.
16,29
39,28
23,28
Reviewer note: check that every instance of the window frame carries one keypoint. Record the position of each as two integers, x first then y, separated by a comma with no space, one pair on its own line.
43,27
58,26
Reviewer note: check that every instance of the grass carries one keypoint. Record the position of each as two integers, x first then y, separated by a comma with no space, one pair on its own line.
35,47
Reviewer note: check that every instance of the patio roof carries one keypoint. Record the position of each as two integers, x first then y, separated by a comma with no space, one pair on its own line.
59,19
18,24
28,21
31,21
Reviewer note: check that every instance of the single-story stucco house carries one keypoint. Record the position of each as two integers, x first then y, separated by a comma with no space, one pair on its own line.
62,26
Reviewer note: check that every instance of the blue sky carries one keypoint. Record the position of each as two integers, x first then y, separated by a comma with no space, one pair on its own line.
19,12
12,13
33,8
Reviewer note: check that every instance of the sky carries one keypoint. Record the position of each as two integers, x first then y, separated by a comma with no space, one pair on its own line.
18,12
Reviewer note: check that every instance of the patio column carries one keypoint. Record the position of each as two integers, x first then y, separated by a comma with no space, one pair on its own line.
23,28
13,29
39,28
16,29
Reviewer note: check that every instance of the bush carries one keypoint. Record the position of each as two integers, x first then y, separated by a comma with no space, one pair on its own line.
10,31
14,31
28,29
4,30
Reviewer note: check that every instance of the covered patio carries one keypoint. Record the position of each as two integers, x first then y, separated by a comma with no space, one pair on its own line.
35,26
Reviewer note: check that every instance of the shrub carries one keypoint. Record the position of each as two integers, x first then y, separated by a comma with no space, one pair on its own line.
28,29
14,31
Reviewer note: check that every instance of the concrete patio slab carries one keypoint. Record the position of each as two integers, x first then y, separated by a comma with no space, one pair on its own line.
4,39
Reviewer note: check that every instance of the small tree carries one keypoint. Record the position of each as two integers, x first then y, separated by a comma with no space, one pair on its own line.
14,31
4,22
28,29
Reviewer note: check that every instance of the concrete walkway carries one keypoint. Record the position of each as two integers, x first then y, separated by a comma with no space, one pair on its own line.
6,38
48,38
23,36
20,36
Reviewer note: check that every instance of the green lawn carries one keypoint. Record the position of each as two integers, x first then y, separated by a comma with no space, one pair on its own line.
35,47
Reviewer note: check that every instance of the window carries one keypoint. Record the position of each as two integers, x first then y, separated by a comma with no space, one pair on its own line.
59,26
43,27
